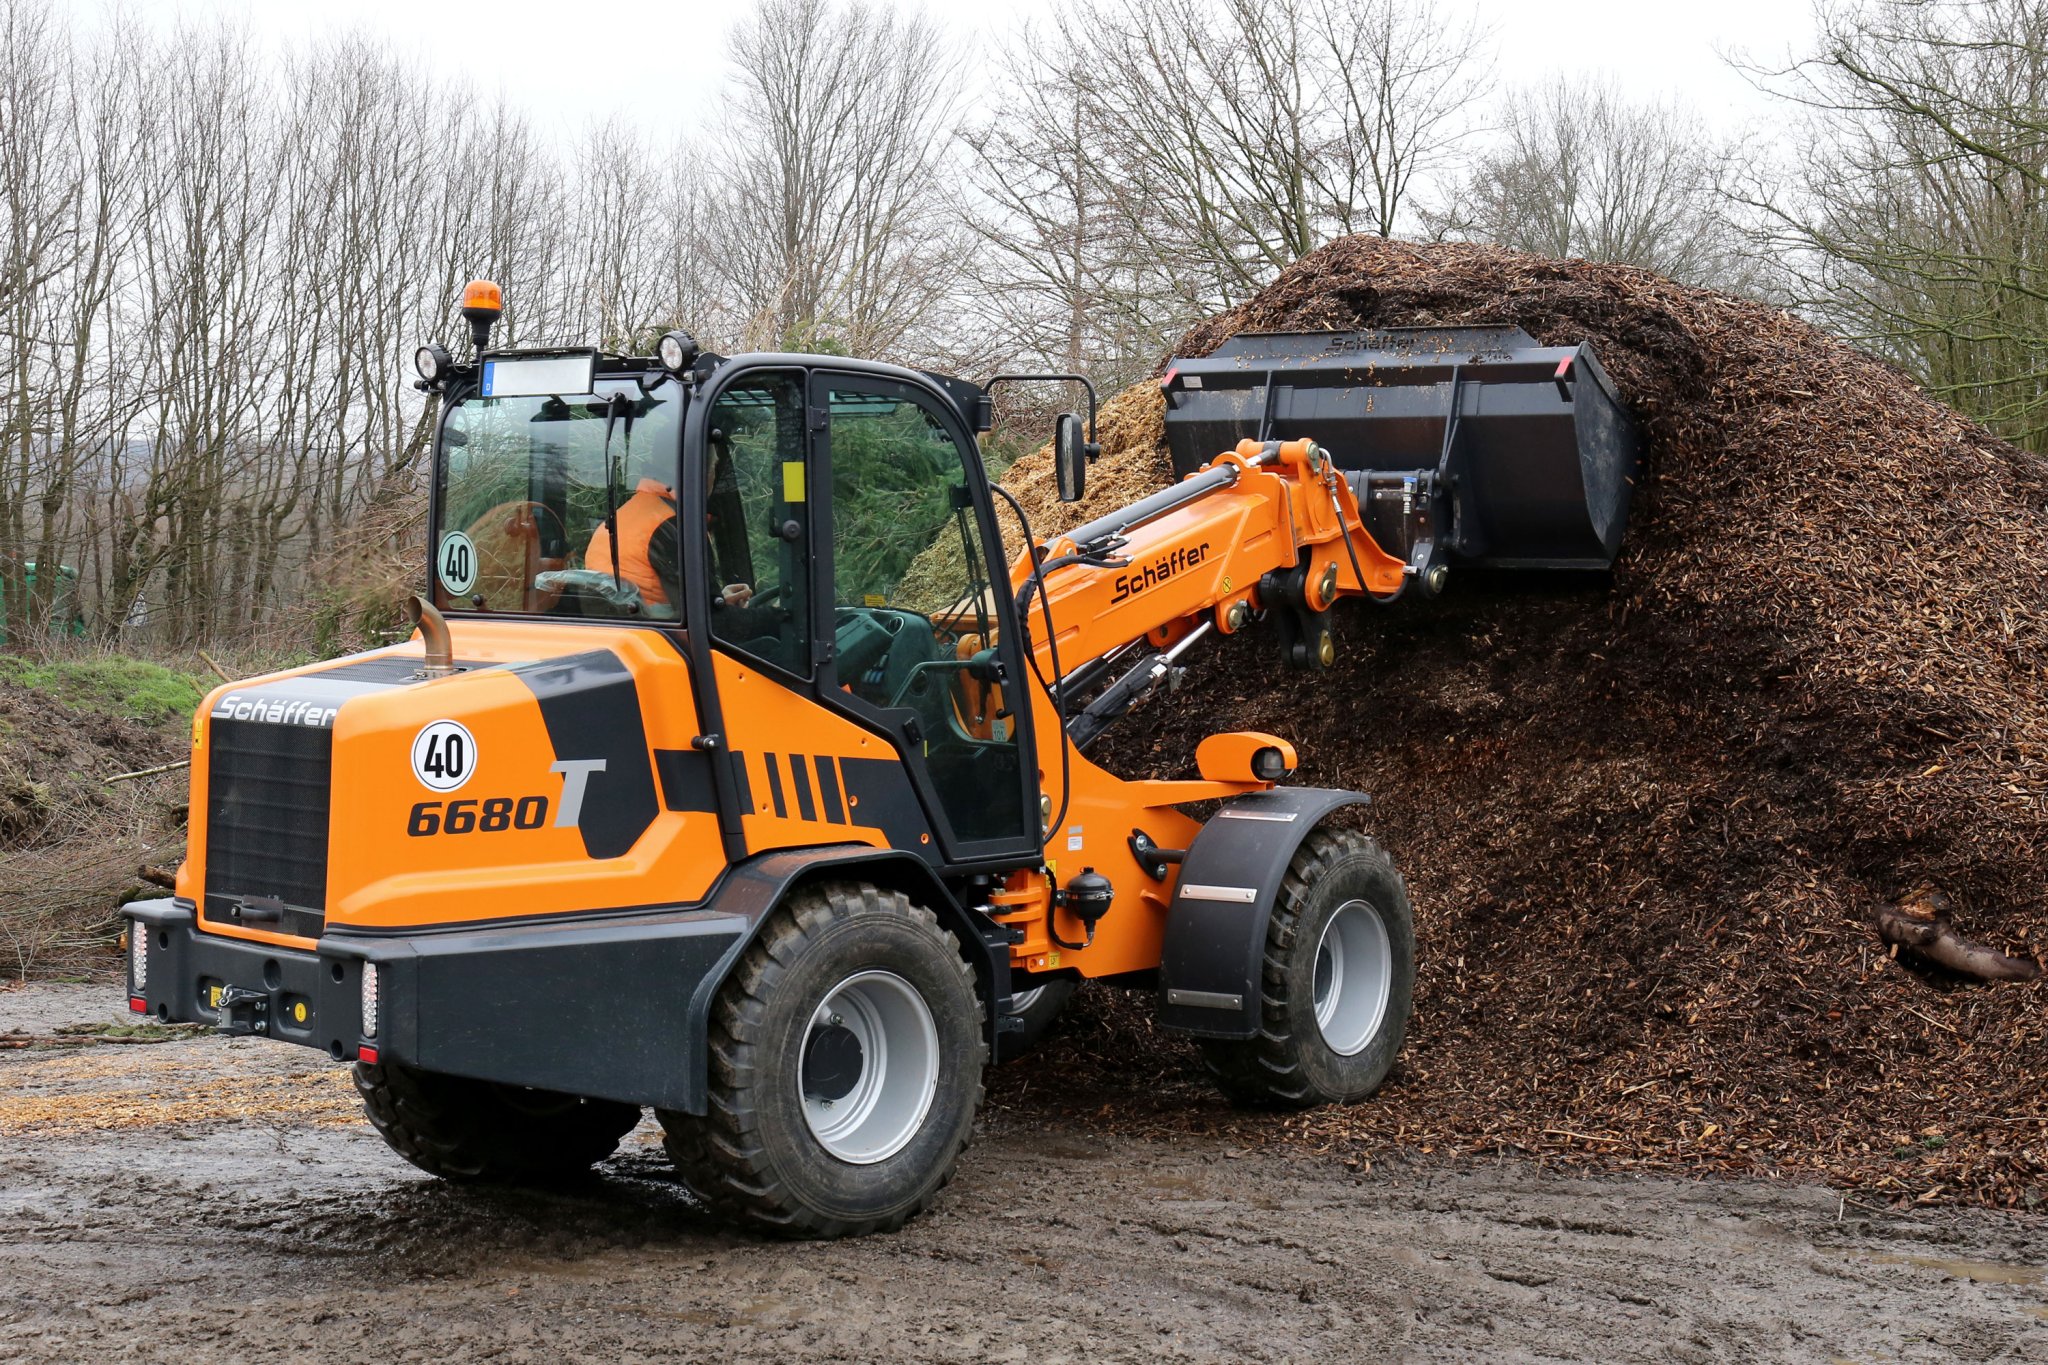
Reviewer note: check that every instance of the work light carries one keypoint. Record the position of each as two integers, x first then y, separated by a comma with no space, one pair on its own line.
677,349
431,361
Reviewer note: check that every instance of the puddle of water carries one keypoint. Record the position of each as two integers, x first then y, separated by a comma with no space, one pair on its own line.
1983,1272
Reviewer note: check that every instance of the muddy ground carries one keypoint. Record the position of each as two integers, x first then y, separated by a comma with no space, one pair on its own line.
198,1198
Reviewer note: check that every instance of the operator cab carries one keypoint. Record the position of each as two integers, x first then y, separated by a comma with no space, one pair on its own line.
846,551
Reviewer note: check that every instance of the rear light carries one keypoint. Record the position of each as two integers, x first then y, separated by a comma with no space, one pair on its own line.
137,1005
370,1001
138,958
367,1055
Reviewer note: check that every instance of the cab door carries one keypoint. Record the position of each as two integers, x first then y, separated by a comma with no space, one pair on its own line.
924,648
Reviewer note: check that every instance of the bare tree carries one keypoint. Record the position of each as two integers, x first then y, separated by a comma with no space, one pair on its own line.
1058,278
1253,131
831,208
1580,170
42,197
1915,218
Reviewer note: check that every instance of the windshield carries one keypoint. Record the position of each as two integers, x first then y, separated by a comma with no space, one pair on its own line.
535,493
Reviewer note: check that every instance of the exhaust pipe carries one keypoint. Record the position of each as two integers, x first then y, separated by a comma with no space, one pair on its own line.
433,629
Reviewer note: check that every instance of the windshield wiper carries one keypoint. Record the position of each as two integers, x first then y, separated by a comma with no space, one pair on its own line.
615,405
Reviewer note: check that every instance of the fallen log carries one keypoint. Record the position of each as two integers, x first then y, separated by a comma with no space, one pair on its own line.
149,772
1922,922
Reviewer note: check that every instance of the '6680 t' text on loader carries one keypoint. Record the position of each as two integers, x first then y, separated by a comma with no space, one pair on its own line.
780,819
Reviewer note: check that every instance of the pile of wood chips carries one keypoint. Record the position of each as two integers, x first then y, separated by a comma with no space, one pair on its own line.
1647,823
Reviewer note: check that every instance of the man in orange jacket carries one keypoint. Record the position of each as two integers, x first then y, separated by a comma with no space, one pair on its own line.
650,554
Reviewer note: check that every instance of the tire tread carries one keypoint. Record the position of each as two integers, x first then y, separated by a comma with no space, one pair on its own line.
720,1155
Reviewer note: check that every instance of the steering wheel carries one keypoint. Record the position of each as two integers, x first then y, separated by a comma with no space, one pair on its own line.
759,599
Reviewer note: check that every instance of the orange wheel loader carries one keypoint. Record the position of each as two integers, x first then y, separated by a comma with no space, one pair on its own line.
732,772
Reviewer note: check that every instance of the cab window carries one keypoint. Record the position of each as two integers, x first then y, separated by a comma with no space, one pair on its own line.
914,601
757,520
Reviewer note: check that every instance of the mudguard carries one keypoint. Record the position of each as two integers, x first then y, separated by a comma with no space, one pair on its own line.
1223,902
754,888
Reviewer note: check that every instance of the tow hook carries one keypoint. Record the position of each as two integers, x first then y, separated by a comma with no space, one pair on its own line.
243,1012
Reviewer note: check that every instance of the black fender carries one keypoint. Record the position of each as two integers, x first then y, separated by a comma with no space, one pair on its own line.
1223,902
752,890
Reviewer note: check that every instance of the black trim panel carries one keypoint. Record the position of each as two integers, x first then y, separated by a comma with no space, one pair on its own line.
1222,903
828,790
686,780
592,712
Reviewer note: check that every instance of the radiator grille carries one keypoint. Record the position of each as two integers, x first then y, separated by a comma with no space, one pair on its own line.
266,823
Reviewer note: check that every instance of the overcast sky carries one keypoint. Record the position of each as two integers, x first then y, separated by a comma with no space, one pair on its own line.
571,62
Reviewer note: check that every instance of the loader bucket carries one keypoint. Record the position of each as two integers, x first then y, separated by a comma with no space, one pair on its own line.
1474,440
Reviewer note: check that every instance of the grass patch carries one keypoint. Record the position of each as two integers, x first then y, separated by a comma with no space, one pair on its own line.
144,1032
130,688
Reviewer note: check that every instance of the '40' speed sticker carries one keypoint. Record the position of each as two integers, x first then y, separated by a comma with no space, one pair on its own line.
443,755
456,563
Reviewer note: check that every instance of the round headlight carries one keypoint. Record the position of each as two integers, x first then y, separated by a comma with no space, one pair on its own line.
676,351
431,361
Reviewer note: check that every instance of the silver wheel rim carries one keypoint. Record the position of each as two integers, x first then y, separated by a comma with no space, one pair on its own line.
870,1067
1021,1001
1354,975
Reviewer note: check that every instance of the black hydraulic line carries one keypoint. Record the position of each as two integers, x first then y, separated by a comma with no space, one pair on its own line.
1351,551
1090,673
1036,583
1130,689
1052,646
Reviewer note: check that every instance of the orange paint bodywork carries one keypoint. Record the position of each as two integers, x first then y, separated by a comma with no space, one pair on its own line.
1198,562
1191,566
380,877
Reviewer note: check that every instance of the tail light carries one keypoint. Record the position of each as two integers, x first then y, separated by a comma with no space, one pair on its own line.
138,959
369,1000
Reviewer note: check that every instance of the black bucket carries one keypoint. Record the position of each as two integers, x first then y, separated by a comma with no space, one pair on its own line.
1534,472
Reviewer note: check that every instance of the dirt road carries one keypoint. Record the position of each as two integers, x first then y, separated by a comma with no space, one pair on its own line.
196,1198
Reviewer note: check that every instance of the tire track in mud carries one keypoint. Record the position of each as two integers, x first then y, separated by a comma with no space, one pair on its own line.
266,1228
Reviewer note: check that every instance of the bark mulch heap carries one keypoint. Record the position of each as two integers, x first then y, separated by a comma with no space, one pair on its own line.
1646,823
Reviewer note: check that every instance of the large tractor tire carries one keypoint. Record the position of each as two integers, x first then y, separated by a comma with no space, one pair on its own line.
1336,984
1038,1006
846,1062
462,1129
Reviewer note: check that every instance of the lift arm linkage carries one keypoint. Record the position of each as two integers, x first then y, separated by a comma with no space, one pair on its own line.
1268,526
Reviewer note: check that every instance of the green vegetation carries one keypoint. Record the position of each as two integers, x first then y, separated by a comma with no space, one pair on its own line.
62,613
144,1032
111,686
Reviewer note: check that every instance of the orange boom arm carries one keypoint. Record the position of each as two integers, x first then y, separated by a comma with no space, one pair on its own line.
1267,526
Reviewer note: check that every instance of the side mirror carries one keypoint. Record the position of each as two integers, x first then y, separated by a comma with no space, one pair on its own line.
1069,456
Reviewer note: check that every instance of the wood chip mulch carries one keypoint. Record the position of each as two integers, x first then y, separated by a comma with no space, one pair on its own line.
1647,822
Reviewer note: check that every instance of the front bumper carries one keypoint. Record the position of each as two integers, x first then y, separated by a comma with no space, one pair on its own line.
609,1009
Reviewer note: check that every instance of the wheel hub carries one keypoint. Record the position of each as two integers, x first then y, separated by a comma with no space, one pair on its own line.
1354,977
832,1064
870,1067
